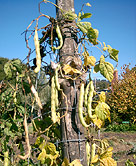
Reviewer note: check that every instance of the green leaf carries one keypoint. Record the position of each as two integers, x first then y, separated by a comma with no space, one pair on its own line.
106,69
21,109
129,163
70,15
17,64
113,53
26,86
84,26
6,131
86,15
7,69
102,111
96,68
92,34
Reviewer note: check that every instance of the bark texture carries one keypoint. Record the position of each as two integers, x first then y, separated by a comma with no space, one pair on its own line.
71,129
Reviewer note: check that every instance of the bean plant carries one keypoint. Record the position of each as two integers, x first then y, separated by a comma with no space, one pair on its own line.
21,108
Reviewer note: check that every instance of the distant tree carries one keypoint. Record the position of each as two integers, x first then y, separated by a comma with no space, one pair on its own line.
123,97
102,84
2,62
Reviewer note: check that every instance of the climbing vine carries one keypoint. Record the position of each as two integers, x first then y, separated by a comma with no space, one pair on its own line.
19,113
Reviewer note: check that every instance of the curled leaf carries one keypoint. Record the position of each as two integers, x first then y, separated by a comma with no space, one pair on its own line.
70,70
89,60
113,53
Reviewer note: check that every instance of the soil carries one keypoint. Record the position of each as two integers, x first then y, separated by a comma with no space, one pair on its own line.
124,145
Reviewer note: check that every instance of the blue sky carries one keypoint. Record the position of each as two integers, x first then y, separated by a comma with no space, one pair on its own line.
115,20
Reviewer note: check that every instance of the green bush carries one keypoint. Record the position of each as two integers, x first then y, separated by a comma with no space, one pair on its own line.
121,127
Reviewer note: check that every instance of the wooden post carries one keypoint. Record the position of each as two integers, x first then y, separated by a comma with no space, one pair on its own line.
72,131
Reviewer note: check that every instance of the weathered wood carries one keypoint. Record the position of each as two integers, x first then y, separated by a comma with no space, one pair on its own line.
71,129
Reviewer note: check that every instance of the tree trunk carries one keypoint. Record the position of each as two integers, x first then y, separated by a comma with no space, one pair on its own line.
73,137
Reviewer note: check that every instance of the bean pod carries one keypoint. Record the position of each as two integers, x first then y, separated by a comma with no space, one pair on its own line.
86,94
37,49
93,147
80,106
56,78
88,152
59,37
53,99
89,103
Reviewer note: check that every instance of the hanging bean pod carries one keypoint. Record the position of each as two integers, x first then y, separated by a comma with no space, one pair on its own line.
93,147
86,94
88,153
53,99
37,50
56,78
59,37
80,106
89,103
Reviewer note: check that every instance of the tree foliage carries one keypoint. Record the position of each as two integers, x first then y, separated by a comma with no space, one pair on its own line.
2,62
123,97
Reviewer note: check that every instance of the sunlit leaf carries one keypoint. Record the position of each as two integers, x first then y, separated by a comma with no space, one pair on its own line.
88,4
84,26
7,69
106,69
50,148
102,111
108,161
129,163
70,70
70,15
113,53
39,140
86,15
92,35
42,156
95,159
17,64
97,122
107,153
89,60
105,47
102,96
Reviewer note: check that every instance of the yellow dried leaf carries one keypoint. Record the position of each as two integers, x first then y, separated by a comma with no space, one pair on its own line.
107,153
98,122
42,155
108,161
95,159
76,162
69,70
89,60
102,96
